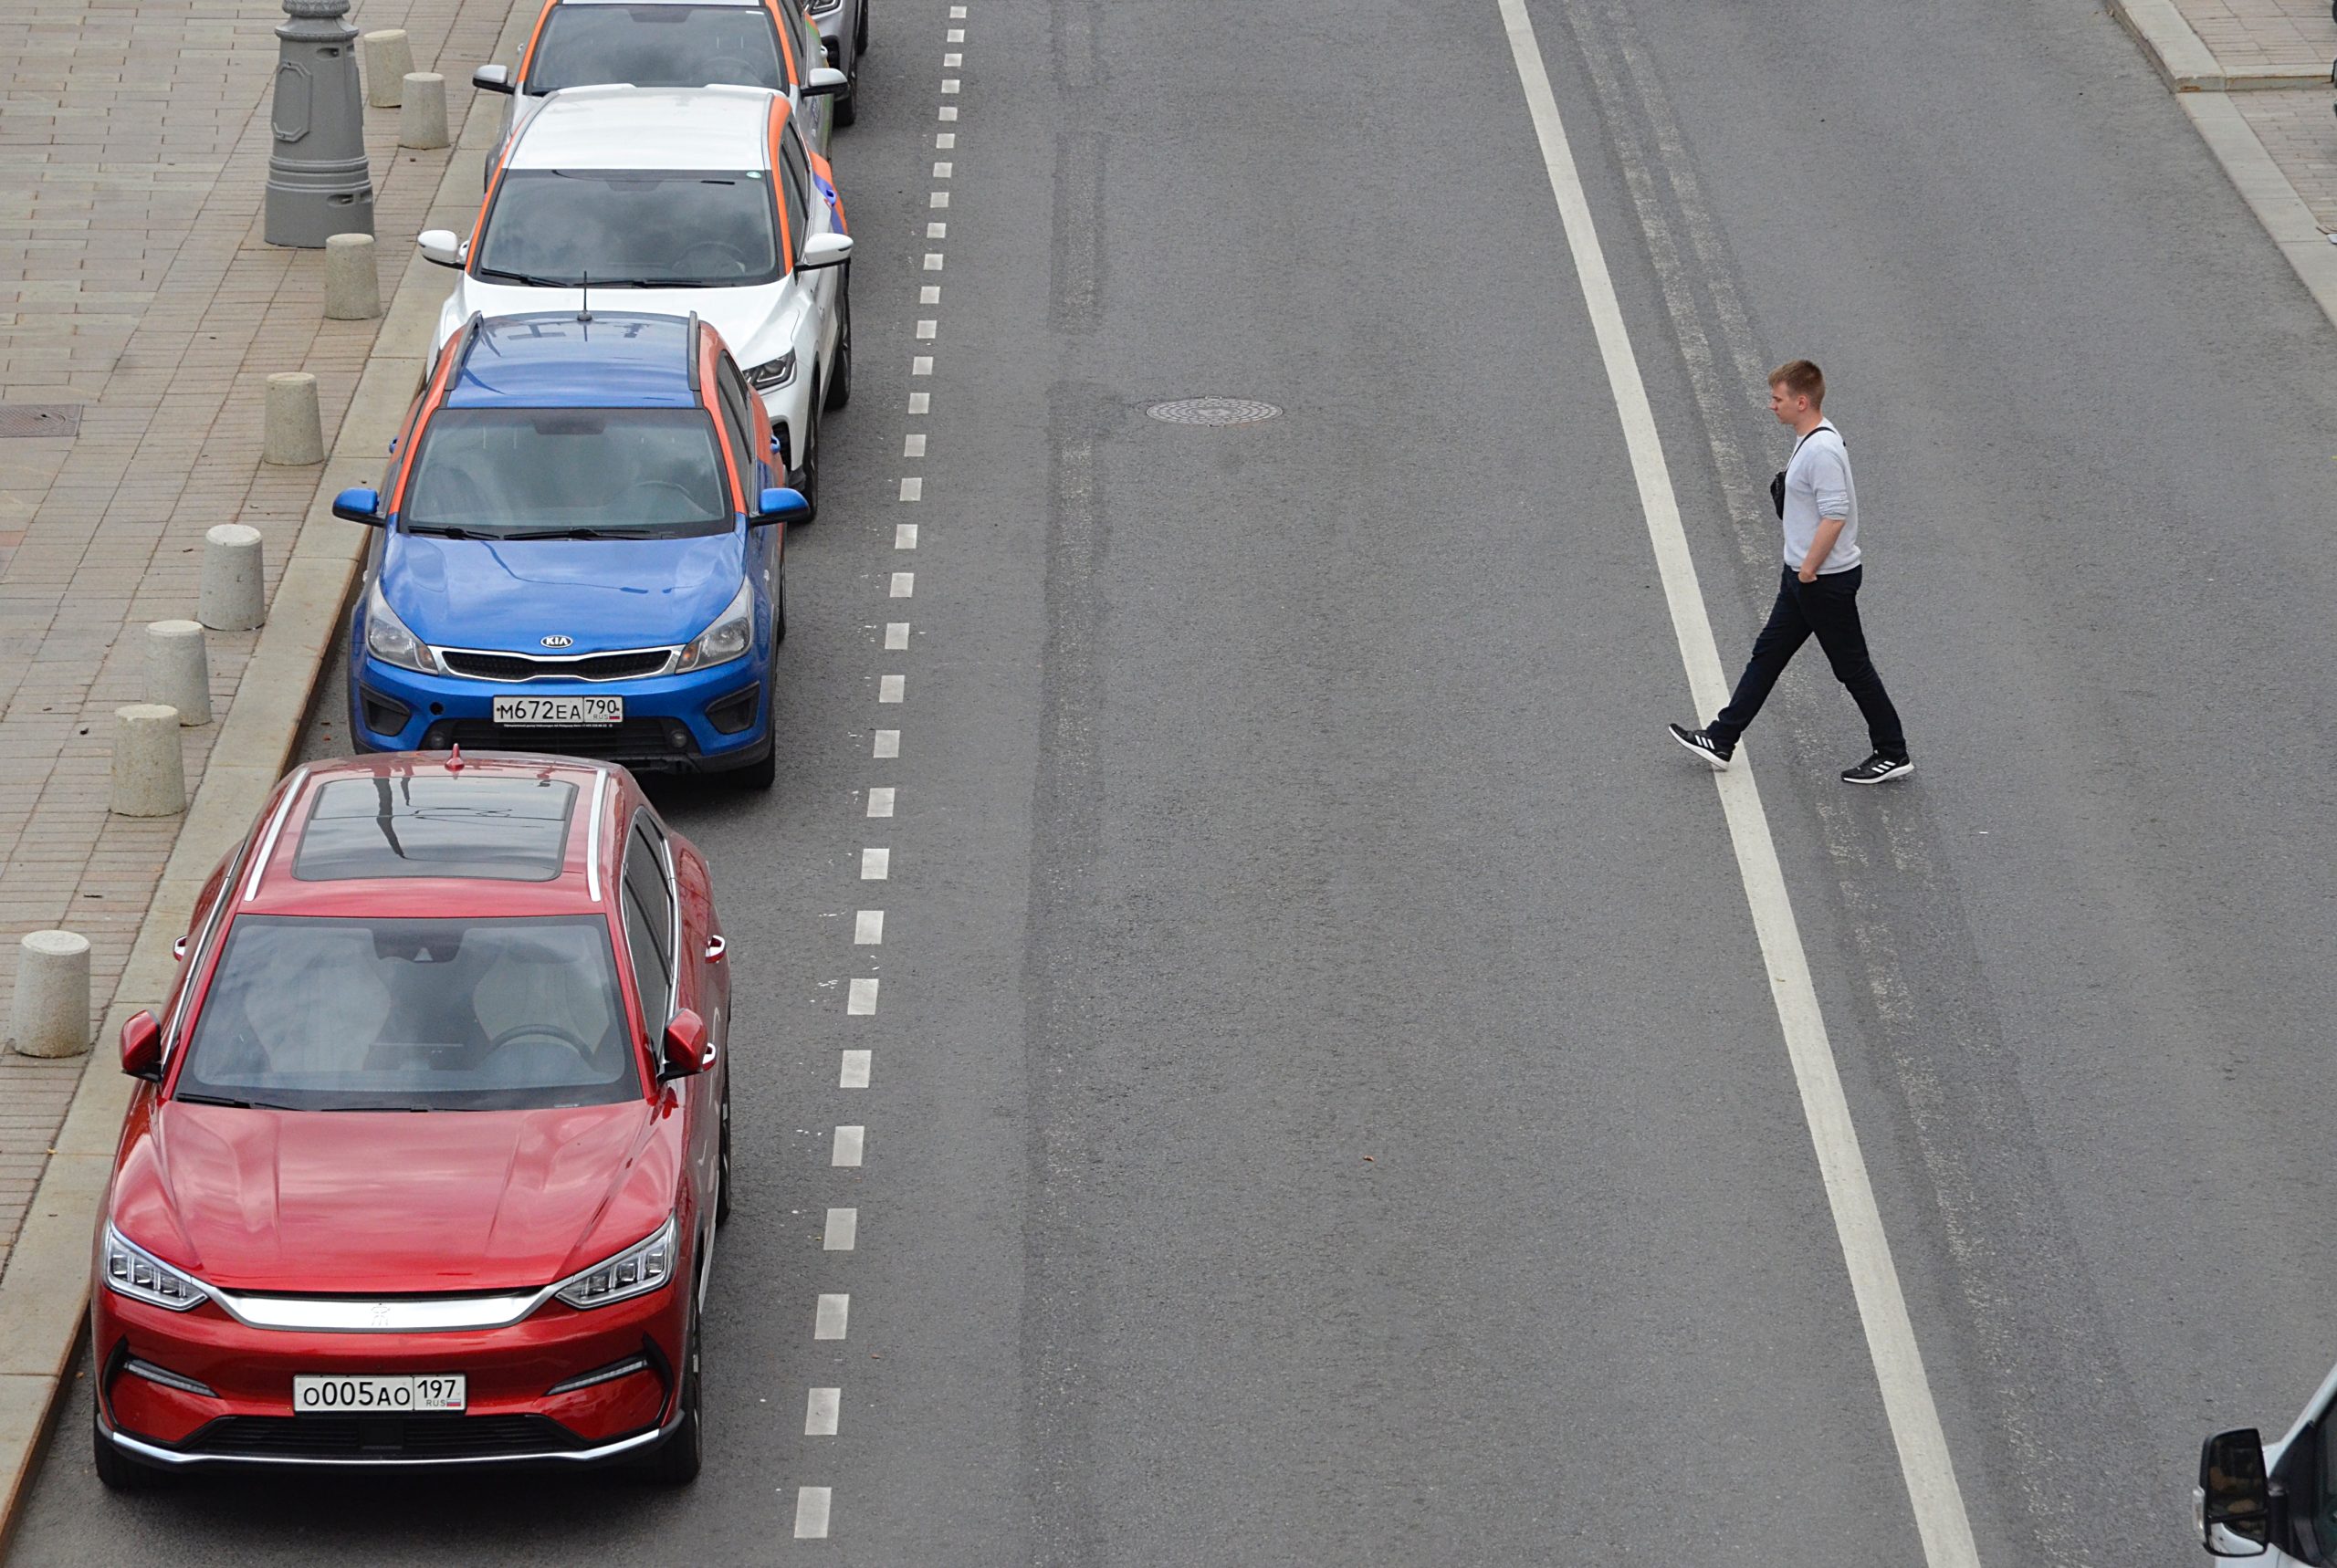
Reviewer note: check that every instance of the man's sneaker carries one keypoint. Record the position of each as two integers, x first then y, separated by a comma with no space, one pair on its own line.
1879,769
1705,747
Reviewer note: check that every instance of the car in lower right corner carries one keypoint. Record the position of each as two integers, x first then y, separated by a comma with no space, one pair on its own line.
2275,1502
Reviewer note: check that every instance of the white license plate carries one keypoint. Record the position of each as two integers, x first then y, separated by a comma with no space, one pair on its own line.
558,710
428,1392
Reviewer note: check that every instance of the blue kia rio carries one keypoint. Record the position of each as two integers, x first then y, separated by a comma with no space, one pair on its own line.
579,549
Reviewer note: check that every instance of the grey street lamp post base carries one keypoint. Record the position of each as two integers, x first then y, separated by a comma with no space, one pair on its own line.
319,183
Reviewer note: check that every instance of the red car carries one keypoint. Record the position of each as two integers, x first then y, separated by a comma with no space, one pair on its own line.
433,1136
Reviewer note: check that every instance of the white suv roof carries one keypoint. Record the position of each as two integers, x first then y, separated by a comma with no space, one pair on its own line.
649,128
756,5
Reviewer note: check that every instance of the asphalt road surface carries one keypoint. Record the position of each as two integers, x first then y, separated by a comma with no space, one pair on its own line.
1327,1102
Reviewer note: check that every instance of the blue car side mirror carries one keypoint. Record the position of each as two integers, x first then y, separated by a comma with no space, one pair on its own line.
358,506
780,506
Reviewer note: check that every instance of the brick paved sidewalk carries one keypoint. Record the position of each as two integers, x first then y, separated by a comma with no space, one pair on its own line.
2263,37
134,286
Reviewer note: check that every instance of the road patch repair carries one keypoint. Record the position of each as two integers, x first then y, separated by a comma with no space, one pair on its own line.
43,1289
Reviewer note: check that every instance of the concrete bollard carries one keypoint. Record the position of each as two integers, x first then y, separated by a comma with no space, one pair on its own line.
51,1014
234,597
387,58
149,774
293,433
422,119
178,669
352,284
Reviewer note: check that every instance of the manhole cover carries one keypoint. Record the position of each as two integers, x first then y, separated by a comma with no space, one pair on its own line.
39,418
1213,410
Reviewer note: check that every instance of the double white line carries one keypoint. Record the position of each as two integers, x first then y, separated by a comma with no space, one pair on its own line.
1924,1460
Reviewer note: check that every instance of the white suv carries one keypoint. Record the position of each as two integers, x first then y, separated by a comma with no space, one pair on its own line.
675,202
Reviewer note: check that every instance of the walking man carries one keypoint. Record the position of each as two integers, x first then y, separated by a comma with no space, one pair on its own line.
1819,590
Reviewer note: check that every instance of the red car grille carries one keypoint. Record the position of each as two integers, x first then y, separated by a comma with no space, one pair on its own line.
387,1437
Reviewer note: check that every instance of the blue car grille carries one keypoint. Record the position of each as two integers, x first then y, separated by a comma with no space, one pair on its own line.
634,740
520,667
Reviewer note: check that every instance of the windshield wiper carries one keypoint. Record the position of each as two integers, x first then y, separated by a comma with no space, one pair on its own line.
232,1105
530,279
596,533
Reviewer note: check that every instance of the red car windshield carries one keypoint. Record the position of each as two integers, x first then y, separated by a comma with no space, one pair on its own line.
412,1015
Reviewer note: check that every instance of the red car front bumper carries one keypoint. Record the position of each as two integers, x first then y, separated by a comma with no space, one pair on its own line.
512,1416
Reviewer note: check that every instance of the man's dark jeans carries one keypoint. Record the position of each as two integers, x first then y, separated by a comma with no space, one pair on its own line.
1829,609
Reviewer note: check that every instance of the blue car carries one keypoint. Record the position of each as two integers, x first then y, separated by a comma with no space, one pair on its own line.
580,550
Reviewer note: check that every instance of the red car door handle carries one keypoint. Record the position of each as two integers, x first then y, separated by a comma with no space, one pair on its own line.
715,948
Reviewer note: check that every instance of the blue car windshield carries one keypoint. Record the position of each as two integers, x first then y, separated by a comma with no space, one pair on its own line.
562,228
657,45
412,1015
521,473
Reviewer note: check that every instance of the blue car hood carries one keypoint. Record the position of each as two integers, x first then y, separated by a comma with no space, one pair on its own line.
511,594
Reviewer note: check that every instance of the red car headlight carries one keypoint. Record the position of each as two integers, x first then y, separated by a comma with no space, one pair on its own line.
643,1267
137,1274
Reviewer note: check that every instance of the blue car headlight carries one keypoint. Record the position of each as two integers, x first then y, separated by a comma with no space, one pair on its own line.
732,633
387,639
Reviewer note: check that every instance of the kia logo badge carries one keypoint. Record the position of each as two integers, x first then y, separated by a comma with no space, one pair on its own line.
557,641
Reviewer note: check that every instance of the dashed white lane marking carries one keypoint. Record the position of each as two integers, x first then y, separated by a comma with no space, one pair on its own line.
828,1321
867,927
948,113
922,365
1941,1521
861,1002
812,1513
853,1072
821,1411
956,13
889,688
920,402
844,1230
846,1151
912,489
889,743
927,327
948,86
942,171
897,637
951,62
937,199
933,261
944,139
903,585
880,800
929,295
936,231
913,445
876,861
955,36
904,533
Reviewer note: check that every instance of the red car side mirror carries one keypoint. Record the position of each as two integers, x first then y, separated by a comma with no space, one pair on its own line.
687,1049
142,1047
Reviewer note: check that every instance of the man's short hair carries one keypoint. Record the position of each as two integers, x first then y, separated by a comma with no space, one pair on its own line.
1801,379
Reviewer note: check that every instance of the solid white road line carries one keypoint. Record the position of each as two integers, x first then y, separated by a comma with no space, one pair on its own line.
897,637
904,533
875,864
913,445
853,1073
868,929
848,1144
905,585
889,688
828,1321
889,743
880,800
821,1411
861,1000
844,1230
1924,1459
812,1513
912,489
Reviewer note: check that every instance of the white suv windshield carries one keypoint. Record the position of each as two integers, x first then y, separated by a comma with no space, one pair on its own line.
563,228
412,1015
657,45
547,472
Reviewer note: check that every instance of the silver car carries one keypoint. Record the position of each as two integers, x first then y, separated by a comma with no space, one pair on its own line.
767,44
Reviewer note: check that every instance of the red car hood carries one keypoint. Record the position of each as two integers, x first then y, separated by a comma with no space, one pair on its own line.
365,1202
